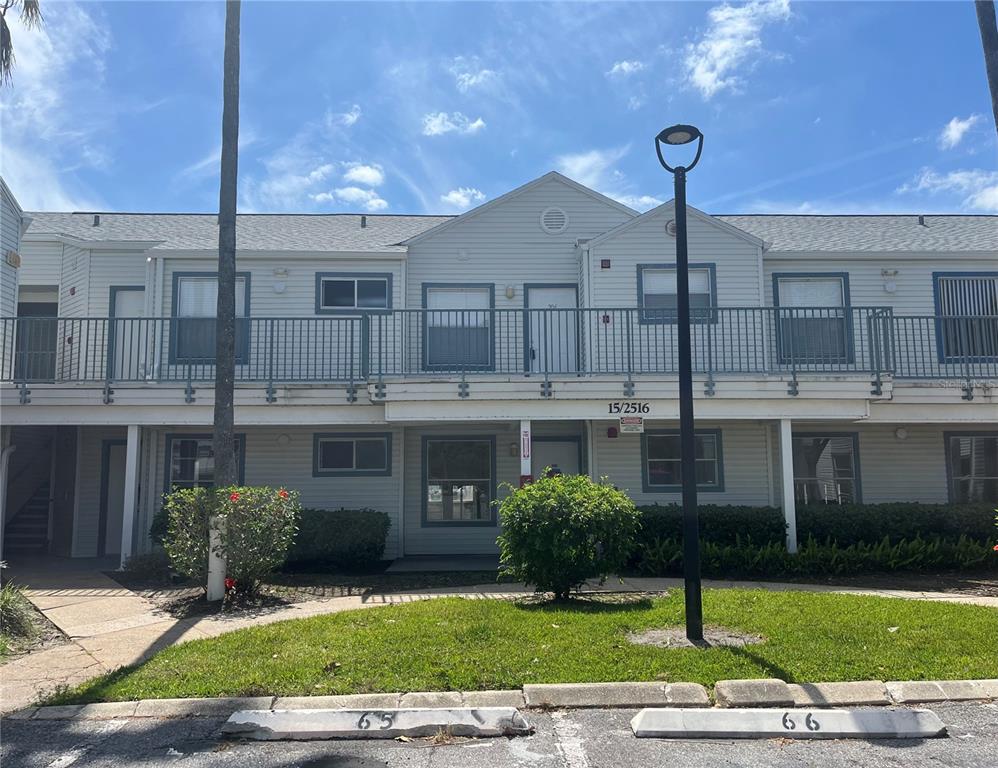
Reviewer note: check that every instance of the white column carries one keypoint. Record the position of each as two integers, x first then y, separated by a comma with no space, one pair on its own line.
525,450
131,498
6,449
787,480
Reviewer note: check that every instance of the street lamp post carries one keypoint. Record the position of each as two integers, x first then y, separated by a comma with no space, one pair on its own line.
677,135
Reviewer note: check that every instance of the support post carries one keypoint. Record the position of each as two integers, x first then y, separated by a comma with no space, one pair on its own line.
6,449
525,452
131,497
787,480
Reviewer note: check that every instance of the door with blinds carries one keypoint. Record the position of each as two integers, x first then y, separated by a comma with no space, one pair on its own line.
812,320
967,311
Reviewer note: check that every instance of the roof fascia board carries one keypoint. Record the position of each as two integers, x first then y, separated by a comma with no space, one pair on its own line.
211,253
549,176
105,245
878,255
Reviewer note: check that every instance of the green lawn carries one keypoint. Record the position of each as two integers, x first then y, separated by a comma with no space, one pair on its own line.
460,644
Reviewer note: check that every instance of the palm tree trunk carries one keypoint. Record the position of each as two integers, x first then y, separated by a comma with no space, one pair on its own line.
223,437
989,40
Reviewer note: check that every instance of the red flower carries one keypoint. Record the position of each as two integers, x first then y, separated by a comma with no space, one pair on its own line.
233,497
996,547
230,584
284,494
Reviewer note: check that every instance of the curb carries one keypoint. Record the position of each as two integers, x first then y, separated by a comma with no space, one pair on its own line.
727,694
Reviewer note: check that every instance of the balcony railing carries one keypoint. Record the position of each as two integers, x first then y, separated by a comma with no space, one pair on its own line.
508,342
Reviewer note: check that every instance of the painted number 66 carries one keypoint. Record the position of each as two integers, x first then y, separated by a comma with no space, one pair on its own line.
809,722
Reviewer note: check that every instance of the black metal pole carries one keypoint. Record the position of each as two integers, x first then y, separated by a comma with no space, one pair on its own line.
687,442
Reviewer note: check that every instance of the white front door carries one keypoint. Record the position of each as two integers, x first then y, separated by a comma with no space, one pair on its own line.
553,341
562,456
114,497
128,335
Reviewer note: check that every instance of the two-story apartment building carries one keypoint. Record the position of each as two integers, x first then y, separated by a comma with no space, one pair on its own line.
419,364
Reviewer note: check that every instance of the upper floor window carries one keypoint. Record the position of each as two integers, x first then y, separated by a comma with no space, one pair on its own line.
662,461
350,454
458,329
972,466
826,468
195,298
192,461
967,308
814,325
658,294
338,292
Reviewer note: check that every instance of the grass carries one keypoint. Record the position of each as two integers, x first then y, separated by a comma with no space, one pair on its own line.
462,644
17,620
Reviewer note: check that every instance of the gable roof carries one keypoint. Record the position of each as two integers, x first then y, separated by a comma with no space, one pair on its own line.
254,232
692,212
549,176
904,233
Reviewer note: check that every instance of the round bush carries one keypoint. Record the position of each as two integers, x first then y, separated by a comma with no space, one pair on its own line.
560,531
257,526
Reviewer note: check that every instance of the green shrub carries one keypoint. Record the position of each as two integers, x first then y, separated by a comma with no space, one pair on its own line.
344,538
559,531
721,524
853,523
257,527
664,557
16,614
159,526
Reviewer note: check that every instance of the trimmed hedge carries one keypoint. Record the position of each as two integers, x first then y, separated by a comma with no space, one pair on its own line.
719,524
342,538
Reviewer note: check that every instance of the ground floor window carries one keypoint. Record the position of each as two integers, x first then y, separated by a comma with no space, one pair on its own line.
972,465
662,461
352,454
459,478
191,461
826,468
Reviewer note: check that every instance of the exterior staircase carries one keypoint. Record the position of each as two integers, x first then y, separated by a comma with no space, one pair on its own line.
27,531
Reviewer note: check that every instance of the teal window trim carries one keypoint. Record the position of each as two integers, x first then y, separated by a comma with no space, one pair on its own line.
424,469
663,316
242,349
171,436
648,487
490,365
948,437
319,437
388,277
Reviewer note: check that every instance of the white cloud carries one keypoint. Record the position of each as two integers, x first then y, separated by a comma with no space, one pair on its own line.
462,198
349,117
639,202
977,188
593,168
354,196
209,165
469,74
439,123
625,68
635,103
371,175
57,113
954,131
731,44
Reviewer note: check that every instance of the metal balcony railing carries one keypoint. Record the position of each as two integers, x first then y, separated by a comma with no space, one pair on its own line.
507,342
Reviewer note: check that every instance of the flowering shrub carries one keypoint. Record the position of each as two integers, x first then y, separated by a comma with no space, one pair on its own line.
560,531
257,526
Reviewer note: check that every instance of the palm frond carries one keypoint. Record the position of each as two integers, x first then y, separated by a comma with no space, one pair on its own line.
31,13
6,53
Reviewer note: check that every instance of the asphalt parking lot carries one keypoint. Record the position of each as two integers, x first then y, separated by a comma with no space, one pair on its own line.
576,739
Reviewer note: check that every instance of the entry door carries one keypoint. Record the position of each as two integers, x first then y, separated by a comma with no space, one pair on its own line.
128,335
113,497
560,455
36,341
553,333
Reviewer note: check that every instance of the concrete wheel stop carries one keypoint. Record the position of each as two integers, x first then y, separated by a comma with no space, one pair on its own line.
317,724
787,724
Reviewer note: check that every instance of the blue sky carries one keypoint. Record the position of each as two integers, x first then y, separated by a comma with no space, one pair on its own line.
435,107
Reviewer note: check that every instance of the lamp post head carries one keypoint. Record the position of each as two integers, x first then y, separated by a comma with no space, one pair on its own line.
678,135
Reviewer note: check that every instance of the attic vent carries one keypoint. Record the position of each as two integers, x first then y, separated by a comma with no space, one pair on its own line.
96,219
670,227
553,220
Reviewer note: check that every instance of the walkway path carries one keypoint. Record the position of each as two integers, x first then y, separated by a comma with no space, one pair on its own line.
109,626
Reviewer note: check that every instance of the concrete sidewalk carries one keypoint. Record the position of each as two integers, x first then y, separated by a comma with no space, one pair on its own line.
110,626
